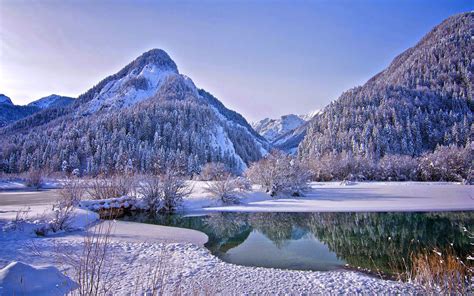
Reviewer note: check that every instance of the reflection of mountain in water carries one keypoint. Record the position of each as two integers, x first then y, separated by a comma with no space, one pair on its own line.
367,240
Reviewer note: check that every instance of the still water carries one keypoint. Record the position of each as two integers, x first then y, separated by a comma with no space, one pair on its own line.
326,241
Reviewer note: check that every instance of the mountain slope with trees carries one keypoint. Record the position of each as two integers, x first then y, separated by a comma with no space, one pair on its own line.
147,117
422,100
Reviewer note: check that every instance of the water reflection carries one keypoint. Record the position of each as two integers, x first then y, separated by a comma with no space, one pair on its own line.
326,241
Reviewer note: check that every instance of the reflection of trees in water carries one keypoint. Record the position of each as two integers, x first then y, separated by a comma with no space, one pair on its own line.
278,227
225,231
367,240
383,240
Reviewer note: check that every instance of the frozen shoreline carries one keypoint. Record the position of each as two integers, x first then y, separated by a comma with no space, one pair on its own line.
136,247
192,268
357,197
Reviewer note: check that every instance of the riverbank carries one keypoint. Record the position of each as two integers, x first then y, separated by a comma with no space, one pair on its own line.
137,249
187,267
348,197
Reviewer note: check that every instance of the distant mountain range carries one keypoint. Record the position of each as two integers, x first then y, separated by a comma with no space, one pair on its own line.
10,112
286,132
147,116
271,129
52,101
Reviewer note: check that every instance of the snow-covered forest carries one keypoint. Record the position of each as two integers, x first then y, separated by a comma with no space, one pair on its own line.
423,99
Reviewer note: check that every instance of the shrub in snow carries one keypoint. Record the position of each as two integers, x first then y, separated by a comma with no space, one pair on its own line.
226,190
213,171
446,163
243,184
70,196
397,168
63,213
150,190
104,187
164,193
72,191
34,178
174,189
340,166
19,220
279,173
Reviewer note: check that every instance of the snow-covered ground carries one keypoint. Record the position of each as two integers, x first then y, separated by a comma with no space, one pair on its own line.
136,248
15,184
352,197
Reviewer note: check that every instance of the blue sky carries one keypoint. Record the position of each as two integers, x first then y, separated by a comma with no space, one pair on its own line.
261,58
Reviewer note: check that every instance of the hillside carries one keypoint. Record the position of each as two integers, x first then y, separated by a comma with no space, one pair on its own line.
423,99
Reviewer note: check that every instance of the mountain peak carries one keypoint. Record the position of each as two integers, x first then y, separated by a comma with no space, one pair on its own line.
5,100
157,57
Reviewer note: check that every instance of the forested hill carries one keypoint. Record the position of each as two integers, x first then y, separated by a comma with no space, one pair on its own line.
423,99
147,117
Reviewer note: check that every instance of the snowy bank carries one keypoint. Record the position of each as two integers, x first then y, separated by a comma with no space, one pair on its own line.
18,183
18,278
353,197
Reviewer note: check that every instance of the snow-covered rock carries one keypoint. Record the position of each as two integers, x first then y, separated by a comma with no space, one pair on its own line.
18,278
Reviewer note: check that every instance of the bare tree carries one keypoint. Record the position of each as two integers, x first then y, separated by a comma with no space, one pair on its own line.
174,189
164,193
150,188
72,191
280,173
213,171
34,178
110,187
226,190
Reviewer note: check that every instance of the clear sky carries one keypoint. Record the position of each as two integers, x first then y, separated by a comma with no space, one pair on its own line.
260,58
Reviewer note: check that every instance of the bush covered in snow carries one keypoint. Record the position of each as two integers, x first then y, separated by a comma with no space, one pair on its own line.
213,171
227,189
34,178
446,163
163,193
280,173
104,187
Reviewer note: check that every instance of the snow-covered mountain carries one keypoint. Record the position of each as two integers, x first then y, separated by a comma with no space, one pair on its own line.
309,116
271,129
10,112
5,100
422,100
147,116
286,132
51,101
